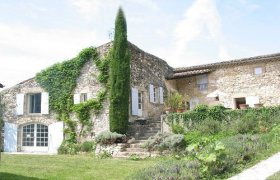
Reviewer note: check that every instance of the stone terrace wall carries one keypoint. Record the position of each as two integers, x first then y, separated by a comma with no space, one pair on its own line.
237,81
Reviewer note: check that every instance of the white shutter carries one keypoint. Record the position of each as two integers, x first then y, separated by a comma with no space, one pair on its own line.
77,98
193,103
45,103
251,100
20,104
89,96
160,95
55,136
151,88
10,137
134,101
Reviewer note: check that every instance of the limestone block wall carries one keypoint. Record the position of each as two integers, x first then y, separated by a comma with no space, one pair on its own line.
237,81
147,69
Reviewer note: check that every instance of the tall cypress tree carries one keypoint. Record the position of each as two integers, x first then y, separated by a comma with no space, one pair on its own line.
119,78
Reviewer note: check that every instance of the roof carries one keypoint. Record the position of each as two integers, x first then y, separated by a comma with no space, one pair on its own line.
189,73
265,58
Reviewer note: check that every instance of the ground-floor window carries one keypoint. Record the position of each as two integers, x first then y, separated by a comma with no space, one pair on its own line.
35,135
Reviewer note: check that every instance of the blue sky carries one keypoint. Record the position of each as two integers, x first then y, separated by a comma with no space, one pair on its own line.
37,33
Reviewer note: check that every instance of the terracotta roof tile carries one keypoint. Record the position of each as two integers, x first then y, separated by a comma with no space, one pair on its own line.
270,57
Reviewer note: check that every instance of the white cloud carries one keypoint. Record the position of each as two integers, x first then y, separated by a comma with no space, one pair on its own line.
202,17
24,50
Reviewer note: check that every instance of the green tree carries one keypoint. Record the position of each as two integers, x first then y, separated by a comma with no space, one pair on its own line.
119,77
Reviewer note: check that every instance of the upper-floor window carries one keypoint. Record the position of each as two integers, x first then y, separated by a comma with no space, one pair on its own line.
202,82
155,95
84,97
258,71
34,103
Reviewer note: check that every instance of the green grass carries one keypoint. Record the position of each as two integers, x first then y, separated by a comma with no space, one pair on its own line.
276,176
68,167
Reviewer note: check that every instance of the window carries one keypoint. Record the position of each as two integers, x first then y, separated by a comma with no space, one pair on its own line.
83,97
35,135
139,100
258,71
202,82
35,103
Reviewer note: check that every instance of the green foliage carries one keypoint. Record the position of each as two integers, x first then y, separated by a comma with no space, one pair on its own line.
134,157
208,126
107,137
170,170
104,155
60,80
119,78
178,129
88,146
165,141
103,67
67,147
174,101
2,107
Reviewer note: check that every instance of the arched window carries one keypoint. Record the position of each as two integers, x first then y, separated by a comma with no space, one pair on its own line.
35,135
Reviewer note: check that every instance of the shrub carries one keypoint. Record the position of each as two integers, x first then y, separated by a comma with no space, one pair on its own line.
104,155
88,146
178,129
68,148
107,137
170,170
209,126
165,141
201,112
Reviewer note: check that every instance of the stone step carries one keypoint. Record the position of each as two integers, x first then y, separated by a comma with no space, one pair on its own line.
140,154
131,149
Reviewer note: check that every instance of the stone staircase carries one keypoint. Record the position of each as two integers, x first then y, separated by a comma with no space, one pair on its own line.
139,131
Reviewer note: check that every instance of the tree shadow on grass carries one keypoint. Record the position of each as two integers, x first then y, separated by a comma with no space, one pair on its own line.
9,176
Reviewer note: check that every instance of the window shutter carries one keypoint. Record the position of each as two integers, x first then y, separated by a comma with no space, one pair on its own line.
251,100
77,98
89,96
160,95
134,101
45,103
10,137
151,93
20,104
55,136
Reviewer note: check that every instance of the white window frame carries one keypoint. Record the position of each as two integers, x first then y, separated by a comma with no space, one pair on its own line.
202,82
140,103
83,97
35,148
29,103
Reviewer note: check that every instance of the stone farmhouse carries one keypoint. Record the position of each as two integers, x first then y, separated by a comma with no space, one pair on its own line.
31,127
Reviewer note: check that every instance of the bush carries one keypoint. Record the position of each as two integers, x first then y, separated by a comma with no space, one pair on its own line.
165,141
88,146
107,137
68,148
104,155
209,126
170,170
178,129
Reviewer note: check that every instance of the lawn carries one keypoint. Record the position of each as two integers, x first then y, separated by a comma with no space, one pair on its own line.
276,176
68,167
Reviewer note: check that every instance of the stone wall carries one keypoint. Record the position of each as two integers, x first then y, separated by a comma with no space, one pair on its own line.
237,81
147,69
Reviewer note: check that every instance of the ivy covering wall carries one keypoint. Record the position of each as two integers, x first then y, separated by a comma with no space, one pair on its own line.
60,81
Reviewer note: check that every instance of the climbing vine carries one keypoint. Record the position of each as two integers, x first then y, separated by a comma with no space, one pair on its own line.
60,81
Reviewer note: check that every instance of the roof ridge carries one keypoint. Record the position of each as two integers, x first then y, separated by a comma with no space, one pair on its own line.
228,62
